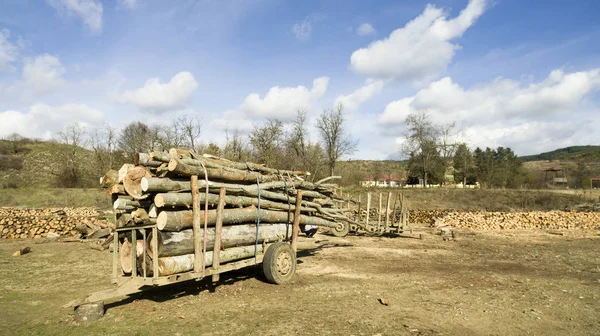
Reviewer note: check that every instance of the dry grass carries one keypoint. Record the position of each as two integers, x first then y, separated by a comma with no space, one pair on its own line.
480,199
54,197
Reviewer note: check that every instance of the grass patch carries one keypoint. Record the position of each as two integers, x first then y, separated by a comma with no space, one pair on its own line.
55,197
478,199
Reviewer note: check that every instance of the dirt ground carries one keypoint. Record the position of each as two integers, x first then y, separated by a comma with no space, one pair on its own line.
494,283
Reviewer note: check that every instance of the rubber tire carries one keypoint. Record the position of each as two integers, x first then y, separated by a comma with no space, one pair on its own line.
270,267
343,232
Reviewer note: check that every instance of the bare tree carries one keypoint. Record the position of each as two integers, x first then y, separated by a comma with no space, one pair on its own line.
266,141
235,148
73,134
104,143
421,145
70,174
192,128
16,141
447,144
137,137
336,143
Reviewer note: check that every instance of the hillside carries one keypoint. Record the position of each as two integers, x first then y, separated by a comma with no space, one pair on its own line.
42,164
588,153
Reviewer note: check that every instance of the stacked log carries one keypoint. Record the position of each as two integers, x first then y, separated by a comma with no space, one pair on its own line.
551,220
38,223
258,207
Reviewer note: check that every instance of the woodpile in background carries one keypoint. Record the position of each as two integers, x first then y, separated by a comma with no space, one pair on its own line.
38,223
160,190
555,220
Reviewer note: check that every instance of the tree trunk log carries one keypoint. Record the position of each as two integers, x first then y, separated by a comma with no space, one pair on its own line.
181,220
143,159
185,263
180,168
125,254
111,177
182,242
132,182
179,200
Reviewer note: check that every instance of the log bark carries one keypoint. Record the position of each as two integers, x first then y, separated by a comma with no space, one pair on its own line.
143,159
185,263
217,162
111,177
185,200
129,205
116,189
153,185
180,168
182,242
181,220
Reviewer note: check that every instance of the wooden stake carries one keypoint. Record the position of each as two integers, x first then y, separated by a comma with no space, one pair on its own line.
196,225
394,211
387,211
379,213
359,204
296,226
218,232
368,209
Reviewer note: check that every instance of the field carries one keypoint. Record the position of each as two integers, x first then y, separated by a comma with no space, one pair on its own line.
493,283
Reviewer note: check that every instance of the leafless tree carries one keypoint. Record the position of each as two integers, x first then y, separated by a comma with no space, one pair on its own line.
421,144
192,128
16,141
447,141
235,148
336,143
266,141
70,173
104,143
137,137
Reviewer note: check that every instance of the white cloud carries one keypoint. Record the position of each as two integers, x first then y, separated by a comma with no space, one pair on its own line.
41,75
283,102
159,97
280,103
303,29
233,121
8,51
365,29
128,3
352,101
43,121
419,51
504,111
89,11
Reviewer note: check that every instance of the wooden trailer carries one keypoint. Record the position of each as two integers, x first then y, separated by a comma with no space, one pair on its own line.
278,259
389,215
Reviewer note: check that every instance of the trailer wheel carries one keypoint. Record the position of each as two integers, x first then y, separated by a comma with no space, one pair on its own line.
279,263
341,230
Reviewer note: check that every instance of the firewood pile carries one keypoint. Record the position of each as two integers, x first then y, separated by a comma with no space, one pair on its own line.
159,190
422,217
555,220
38,223
426,217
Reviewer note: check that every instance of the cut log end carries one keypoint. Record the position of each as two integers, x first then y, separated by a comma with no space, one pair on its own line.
173,165
133,182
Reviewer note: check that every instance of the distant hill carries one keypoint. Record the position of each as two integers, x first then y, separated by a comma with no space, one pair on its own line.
589,153
33,163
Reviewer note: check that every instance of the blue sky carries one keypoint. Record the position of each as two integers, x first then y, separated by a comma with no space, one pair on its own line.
507,72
